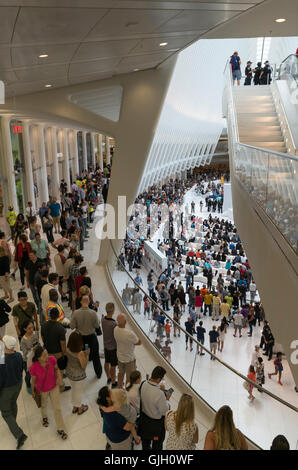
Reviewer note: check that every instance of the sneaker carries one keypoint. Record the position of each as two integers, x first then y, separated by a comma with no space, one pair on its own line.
280,383
66,388
21,441
202,354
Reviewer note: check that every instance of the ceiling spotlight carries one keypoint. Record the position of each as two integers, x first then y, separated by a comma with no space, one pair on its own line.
43,56
48,86
280,20
136,70
163,44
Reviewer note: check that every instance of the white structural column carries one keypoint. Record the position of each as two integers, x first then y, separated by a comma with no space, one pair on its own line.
75,154
66,174
55,164
92,134
28,164
43,184
8,166
84,143
100,155
108,153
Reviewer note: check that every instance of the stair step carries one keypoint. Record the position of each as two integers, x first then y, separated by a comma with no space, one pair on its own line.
251,109
251,120
262,138
261,128
276,146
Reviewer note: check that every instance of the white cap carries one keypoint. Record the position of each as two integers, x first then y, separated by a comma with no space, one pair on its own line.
9,341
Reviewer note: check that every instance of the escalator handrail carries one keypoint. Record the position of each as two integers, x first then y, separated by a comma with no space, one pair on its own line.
288,156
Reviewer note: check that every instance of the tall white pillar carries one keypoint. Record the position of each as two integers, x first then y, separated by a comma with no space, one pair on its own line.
55,164
92,149
28,164
108,153
84,143
75,154
44,191
8,166
100,155
66,174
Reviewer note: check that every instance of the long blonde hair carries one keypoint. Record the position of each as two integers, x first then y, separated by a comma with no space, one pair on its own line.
119,397
227,436
185,412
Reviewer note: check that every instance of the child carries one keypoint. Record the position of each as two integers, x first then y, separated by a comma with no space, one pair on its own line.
146,306
160,325
252,376
168,327
278,367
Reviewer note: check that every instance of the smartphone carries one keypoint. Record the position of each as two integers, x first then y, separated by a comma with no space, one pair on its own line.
86,346
171,390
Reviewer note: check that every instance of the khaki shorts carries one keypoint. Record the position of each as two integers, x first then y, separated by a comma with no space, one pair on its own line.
127,367
4,283
56,220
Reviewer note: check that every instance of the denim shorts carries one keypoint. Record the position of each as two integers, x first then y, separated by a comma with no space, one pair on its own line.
237,74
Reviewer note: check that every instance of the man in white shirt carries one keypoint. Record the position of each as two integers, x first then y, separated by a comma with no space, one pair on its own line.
238,323
154,405
52,284
30,211
126,341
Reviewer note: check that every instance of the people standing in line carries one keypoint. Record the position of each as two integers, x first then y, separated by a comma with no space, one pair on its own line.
278,367
235,62
75,371
85,321
126,341
183,433
108,325
46,379
11,377
224,435
222,330
190,329
201,338
154,406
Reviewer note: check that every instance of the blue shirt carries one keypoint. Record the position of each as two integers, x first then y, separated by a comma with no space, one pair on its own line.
114,423
55,209
213,336
200,332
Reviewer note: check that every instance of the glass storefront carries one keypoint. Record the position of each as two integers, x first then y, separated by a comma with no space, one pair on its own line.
18,162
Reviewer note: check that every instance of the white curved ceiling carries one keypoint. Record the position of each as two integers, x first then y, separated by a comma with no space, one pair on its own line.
92,39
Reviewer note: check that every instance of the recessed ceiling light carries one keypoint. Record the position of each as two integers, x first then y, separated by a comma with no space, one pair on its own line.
43,56
136,70
163,44
48,86
280,20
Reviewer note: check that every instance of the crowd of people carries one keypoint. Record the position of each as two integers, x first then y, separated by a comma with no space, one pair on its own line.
57,333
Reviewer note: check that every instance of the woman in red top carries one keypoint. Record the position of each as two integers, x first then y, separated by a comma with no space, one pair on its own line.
252,376
22,251
199,302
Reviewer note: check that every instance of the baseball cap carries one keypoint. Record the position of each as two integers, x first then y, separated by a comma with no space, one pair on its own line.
9,341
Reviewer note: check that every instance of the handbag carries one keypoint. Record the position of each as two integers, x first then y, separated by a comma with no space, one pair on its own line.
148,428
37,396
62,362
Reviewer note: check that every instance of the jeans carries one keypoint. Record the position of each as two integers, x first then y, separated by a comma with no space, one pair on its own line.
9,408
92,342
250,328
209,307
165,304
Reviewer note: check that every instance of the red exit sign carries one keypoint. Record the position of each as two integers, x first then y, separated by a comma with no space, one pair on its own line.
17,129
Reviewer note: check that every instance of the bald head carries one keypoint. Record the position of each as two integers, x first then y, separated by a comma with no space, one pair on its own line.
121,320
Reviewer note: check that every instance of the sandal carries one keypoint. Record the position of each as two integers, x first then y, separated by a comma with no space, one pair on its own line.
83,409
62,434
45,422
75,410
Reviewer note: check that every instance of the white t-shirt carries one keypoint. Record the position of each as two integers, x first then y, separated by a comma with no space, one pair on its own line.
126,341
252,287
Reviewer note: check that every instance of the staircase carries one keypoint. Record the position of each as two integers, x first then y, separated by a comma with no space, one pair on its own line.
258,123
